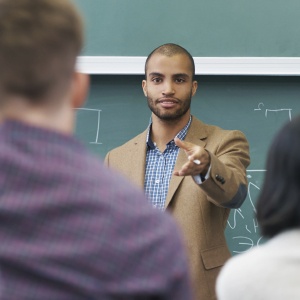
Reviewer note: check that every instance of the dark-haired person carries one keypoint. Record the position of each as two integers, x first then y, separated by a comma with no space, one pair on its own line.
195,171
271,271
69,227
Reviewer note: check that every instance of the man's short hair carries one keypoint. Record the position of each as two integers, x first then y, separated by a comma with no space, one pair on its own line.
39,43
170,50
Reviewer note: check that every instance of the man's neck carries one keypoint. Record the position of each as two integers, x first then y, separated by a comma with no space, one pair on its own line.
58,119
164,131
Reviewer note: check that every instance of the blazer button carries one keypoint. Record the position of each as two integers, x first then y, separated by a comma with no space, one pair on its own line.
220,178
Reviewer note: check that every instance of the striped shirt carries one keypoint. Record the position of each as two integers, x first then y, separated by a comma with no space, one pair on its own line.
159,168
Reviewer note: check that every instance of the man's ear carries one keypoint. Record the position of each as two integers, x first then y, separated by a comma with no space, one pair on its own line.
144,86
194,87
80,89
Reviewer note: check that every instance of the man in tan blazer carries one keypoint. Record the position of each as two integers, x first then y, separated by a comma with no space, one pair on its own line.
195,171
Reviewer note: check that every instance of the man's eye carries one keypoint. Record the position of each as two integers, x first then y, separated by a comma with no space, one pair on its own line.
180,80
156,79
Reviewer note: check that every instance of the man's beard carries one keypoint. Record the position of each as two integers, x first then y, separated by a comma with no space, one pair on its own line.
170,116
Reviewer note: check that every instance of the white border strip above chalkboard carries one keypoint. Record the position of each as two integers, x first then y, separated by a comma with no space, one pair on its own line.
134,65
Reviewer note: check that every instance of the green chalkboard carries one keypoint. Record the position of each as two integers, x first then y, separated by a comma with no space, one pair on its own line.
207,28
116,111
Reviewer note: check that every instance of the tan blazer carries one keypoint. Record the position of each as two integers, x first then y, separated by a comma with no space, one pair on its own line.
200,210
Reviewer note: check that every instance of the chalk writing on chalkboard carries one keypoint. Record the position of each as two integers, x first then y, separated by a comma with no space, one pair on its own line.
243,231
248,234
96,115
268,110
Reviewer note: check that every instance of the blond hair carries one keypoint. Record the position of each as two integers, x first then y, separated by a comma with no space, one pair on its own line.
39,43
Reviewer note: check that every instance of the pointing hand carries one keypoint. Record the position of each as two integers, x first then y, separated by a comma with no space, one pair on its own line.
198,159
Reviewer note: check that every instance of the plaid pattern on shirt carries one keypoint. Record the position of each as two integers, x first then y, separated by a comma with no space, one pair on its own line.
159,168
71,229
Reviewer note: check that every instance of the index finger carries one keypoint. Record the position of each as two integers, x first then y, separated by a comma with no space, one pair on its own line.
182,144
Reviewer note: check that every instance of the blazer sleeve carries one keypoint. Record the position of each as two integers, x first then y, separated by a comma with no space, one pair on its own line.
227,184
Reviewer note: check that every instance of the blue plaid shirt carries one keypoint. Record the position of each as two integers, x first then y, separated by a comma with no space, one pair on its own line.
159,168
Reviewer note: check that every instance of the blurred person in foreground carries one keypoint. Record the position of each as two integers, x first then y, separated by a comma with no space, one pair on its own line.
271,271
69,227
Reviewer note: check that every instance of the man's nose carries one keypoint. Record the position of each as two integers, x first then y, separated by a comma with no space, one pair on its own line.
168,88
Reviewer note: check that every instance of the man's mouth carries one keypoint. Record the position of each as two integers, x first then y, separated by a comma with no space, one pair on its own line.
168,102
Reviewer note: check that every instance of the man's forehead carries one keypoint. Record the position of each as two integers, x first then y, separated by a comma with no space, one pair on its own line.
177,63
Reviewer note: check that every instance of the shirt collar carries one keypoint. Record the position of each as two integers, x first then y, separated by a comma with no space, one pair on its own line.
181,134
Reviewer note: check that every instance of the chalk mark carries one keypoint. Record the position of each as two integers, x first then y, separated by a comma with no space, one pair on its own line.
98,124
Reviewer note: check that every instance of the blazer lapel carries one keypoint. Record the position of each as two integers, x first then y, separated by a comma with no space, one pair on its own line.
195,135
137,160
175,180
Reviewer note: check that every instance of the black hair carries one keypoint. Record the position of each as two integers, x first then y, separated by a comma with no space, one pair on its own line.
278,205
171,49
